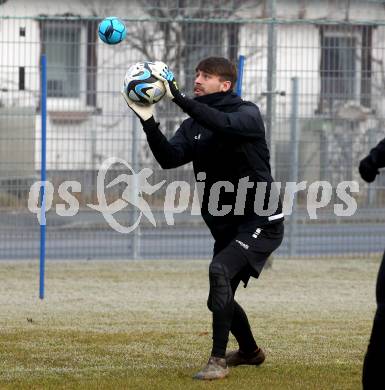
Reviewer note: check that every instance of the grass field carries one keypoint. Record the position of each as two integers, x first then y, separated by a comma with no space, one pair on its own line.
144,325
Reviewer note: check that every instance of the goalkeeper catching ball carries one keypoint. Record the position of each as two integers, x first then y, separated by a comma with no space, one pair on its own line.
224,138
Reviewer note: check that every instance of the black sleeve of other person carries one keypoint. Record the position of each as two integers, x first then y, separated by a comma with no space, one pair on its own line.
169,153
378,154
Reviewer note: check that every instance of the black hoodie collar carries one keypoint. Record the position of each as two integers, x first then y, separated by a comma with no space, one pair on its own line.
219,99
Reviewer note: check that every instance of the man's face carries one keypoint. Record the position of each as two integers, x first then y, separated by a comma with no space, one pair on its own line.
206,83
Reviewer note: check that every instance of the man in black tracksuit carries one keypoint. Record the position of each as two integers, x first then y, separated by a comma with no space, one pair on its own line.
224,137
374,363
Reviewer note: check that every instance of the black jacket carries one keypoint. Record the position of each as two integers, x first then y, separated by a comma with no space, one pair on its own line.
225,138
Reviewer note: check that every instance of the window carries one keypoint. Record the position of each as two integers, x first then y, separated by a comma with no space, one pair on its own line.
345,69
62,44
338,68
219,39
70,47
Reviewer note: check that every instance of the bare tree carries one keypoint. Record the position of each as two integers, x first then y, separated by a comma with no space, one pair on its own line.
179,34
182,35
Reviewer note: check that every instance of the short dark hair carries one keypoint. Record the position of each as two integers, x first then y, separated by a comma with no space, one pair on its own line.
221,67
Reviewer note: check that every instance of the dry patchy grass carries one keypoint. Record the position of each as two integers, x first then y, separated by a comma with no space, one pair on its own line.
141,325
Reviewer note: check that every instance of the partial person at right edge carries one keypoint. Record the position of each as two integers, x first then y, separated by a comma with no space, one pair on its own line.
374,363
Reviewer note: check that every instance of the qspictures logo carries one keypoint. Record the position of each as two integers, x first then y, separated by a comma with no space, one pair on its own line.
136,185
178,194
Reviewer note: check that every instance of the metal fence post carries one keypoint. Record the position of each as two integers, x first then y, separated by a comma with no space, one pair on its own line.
372,190
43,173
135,234
271,81
294,152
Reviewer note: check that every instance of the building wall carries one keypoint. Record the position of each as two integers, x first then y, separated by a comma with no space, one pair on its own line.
69,127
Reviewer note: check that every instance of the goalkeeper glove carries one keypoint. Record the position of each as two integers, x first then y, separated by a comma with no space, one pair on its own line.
161,71
144,113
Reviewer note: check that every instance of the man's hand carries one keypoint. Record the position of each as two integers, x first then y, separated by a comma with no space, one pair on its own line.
144,113
367,169
161,71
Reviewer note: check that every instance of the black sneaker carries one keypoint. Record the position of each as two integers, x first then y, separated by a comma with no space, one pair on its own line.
236,358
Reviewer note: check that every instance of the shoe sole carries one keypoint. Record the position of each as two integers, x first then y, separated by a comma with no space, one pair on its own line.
256,363
211,379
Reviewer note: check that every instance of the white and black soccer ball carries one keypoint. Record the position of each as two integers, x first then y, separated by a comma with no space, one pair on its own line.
141,86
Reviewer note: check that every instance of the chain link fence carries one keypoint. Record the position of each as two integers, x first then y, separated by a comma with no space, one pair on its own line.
316,72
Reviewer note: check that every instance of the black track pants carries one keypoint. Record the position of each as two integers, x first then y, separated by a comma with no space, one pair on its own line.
243,256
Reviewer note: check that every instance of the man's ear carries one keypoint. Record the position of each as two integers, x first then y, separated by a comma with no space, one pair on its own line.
226,86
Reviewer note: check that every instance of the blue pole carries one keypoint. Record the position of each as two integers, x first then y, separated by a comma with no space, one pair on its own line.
43,170
241,62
